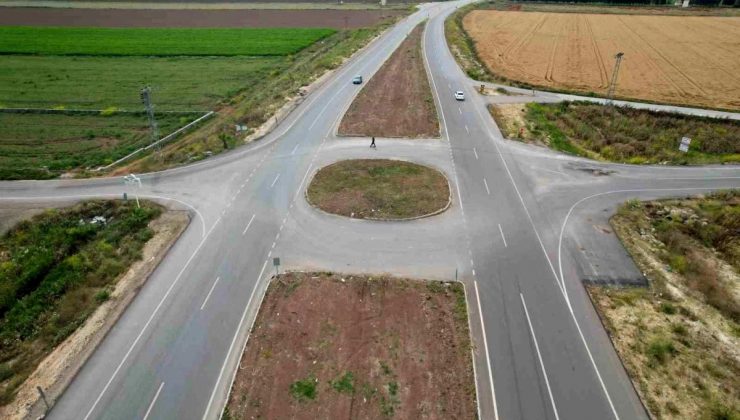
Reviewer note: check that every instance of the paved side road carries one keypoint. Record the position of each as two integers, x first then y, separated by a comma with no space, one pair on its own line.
522,232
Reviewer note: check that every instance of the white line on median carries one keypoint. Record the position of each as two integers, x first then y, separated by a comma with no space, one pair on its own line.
151,405
274,181
486,184
485,346
209,293
248,225
539,356
475,152
502,235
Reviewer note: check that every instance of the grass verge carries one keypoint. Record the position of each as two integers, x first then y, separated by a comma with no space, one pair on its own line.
679,338
362,344
620,134
378,189
397,101
157,41
54,271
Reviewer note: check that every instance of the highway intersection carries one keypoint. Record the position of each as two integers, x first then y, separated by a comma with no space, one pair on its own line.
521,234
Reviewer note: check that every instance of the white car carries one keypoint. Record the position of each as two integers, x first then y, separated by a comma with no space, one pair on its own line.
459,95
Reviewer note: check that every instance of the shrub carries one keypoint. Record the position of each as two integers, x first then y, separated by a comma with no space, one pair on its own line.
667,308
304,389
659,350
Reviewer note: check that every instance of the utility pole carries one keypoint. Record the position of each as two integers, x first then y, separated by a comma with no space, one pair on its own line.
615,75
146,99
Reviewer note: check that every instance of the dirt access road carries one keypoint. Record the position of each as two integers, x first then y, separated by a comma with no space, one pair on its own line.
684,60
120,18
335,346
397,101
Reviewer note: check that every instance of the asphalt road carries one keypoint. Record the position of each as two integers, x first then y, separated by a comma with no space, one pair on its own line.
525,228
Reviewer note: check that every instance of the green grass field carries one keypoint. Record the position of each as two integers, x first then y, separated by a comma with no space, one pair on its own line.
46,145
178,83
158,41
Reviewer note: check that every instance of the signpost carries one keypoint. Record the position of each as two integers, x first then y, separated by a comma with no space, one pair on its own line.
132,179
684,146
276,263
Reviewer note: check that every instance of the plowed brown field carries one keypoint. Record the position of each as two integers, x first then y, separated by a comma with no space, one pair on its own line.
681,60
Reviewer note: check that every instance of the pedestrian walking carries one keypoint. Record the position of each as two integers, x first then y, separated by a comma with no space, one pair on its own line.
372,143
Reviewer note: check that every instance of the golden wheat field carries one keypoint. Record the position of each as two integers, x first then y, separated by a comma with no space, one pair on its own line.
688,60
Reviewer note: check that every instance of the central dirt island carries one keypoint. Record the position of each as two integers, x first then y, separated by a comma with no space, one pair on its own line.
339,346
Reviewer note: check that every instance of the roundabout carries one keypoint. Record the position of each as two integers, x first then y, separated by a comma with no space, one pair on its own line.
379,189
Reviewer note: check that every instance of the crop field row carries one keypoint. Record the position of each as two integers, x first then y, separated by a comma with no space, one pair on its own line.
157,41
178,83
46,145
686,60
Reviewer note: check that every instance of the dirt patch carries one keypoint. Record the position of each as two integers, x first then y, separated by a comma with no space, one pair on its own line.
379,189
120,18
397,101
58,369
510,119
679,347
575,52
333,346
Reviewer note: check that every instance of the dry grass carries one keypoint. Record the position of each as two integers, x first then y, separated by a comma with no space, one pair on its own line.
379,189
575,52
679,339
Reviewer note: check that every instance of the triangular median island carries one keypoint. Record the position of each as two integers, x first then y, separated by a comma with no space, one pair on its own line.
397,101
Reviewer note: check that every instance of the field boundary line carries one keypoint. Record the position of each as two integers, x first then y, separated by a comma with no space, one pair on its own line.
162,140
89,111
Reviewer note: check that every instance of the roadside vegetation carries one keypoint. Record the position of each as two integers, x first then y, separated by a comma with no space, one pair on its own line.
621,134
463,47
362,345
397,101
42,146
55,269
379,189
679,337
244,90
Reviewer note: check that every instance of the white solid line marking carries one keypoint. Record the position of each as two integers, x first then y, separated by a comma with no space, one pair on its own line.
233,341
475,152
294,149
151,405
486,184
302,181
466,128
209,293
149,321
502,235
274,181
539,356
248,224
485,346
